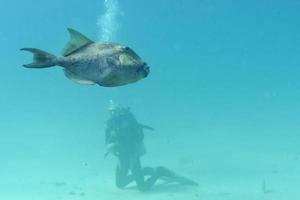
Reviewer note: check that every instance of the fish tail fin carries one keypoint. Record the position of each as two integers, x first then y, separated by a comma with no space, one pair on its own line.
41,59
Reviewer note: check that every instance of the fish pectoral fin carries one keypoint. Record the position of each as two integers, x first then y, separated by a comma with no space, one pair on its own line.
107,78
70,75
77,40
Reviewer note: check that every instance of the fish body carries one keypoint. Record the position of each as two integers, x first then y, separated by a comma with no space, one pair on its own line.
86,62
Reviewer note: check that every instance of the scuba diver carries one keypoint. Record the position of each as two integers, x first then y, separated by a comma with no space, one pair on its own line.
124,137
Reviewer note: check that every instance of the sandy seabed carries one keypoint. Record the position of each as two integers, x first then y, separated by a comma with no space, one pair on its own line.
224,168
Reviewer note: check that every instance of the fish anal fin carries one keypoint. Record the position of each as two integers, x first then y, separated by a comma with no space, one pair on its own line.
70,75
77,40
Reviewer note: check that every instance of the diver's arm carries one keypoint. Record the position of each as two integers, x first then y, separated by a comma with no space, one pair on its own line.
111,148
146,127
110,140
108,135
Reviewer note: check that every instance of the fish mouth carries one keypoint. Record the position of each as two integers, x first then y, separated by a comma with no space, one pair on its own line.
146,71
143,71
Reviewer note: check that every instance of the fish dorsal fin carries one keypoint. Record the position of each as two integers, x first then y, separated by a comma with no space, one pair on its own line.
77,40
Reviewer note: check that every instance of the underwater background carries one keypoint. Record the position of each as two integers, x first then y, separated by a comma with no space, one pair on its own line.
223,96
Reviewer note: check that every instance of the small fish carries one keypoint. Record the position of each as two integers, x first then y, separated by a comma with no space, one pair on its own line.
87,62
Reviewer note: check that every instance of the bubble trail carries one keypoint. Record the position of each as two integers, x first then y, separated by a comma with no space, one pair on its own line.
107,22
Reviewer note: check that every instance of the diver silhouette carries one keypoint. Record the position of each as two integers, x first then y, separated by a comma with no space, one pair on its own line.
124,138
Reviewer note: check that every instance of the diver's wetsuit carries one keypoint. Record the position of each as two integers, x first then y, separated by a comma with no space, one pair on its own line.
125,133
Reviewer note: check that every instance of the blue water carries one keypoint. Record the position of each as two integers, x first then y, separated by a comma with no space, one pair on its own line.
223,95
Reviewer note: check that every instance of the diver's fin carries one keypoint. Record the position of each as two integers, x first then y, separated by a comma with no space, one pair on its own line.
77,40
170,176
180,179
185,181
41,59
76,78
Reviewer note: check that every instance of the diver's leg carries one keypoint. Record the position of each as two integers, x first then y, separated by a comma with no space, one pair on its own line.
138,173
122,176
148,171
